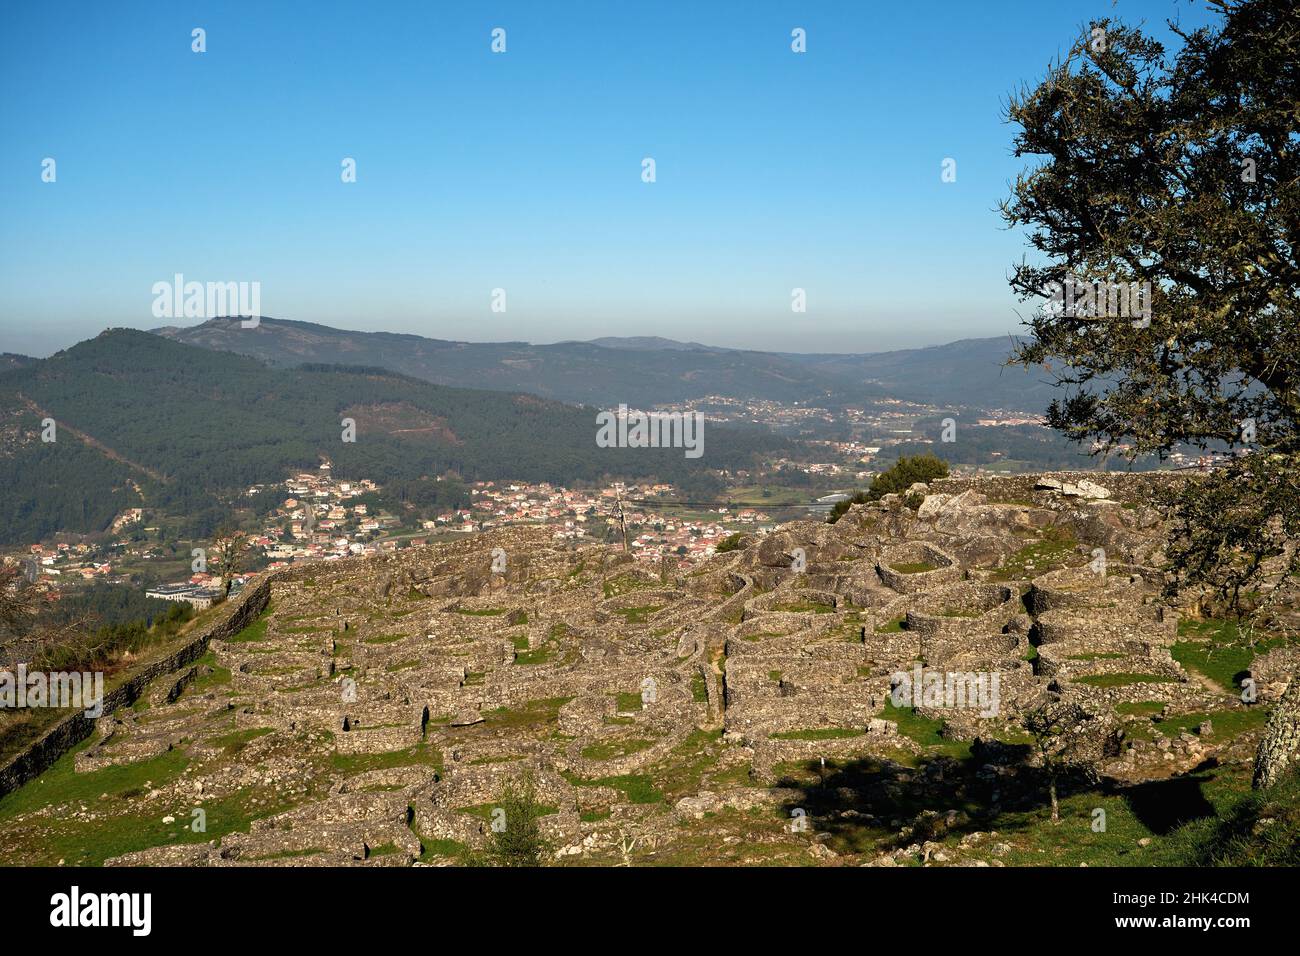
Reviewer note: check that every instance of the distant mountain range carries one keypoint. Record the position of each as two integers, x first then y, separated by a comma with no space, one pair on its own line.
140,417
647,370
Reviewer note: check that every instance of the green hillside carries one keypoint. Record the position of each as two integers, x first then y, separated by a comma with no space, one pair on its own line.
182,423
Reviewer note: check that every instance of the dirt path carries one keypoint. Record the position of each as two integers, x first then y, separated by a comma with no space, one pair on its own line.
93,442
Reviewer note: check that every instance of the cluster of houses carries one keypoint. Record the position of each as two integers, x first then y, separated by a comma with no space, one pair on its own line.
602,514
74,560
319,519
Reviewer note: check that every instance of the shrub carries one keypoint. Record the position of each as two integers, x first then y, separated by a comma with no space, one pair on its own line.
518,841
895,480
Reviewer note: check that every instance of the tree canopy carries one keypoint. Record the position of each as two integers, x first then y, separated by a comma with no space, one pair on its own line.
1164,215
1178,173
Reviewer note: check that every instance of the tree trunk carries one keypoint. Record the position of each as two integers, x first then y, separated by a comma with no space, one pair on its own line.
1056,807
1279,749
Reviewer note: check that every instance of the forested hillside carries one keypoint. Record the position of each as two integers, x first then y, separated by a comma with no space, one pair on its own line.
184,423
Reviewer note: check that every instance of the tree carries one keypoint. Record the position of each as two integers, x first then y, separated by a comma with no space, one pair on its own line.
228,552
516,835
17,603
895,479
1068,739
1165,218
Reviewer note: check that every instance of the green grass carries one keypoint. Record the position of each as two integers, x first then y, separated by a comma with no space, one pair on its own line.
382,639
1218,649
255,631
440,849
1053,551
896,626
639,615
543,654
234,743
638,788
924,731
119,825
914,567
820,733
62,784
626,583
421,755
804,607
625,703
217,677
1226,724
1255,829
699,688
612,749
543,711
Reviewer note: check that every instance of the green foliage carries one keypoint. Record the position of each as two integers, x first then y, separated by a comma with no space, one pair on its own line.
516,838
187,423
1180,174
730,543
895,480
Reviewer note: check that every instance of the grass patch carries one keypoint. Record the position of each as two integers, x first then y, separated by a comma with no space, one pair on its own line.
639,615
924,731
805,607
821,733
637,788
914,567
543,711
234,743
421,755
1051,552
613,749
699,688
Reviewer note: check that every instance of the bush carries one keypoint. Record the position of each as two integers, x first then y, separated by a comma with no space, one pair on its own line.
730,543
895,480
519,841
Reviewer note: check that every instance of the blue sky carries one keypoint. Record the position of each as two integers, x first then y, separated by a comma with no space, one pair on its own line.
522,170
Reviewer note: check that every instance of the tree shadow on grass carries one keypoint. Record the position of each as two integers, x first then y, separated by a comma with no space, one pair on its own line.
1162,806
864,803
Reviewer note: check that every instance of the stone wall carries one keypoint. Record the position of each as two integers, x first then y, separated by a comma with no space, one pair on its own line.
40,755
1124,486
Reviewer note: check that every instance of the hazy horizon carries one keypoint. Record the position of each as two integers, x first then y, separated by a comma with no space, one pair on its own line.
522,170
505,341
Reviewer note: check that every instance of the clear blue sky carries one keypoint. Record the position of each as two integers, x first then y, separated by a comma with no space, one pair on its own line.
523,170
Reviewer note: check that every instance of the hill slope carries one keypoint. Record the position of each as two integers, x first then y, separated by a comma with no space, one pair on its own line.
646,370
183,423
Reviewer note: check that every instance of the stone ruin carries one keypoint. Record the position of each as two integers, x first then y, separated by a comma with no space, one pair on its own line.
397,695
